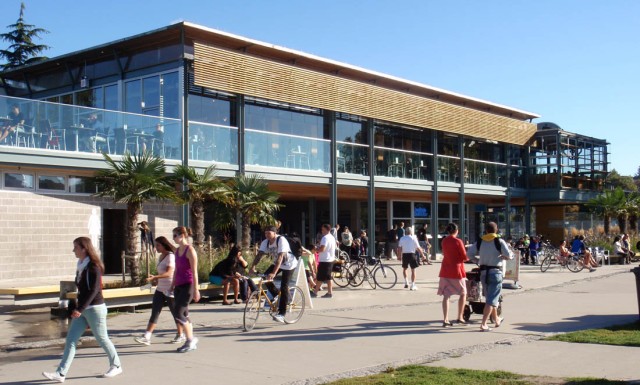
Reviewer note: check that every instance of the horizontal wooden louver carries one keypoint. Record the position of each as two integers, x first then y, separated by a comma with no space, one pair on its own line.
243,74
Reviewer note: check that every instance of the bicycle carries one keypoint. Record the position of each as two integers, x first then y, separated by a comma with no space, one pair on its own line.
259,301
341,275
568,262
378,275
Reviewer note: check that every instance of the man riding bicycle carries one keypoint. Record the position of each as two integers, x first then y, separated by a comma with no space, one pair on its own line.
284,262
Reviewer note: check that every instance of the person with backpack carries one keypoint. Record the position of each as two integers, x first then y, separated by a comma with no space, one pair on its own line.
493,252
284,262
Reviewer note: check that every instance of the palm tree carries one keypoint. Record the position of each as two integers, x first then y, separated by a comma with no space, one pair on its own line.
196,190
634,211
608,204
251,199
135,180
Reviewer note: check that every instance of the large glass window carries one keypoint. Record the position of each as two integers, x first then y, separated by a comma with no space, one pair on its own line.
171,95
351,131
49,182
210,110
133,96
151,96
81,185
111,97
448,144
18,180
283,118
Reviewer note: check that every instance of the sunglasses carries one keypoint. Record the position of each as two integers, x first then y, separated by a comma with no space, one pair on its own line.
176,235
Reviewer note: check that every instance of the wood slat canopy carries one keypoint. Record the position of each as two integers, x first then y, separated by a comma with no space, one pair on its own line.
240,73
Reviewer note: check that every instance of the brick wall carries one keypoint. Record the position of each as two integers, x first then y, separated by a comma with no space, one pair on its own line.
37,230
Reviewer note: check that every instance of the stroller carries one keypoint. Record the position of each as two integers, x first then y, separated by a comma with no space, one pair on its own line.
475,299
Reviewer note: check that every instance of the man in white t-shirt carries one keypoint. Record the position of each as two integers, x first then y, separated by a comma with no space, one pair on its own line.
408,246
284,262
327,255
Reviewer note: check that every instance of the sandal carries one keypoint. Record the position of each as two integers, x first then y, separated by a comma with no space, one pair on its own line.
497,324
461,322
485,329
237,301
226,303
446,324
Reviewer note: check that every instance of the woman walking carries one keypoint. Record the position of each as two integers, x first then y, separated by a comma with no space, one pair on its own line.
185,285
91,311
163,294
453,279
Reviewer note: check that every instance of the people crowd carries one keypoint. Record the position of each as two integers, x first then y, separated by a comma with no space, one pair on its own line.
177,283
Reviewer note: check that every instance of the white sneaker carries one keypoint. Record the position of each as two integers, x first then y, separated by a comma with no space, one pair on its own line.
279,318
413,287
113,371
179,339
142,340
189,346
54,376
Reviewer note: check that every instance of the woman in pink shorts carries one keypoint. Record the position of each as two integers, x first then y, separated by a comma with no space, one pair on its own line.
452,276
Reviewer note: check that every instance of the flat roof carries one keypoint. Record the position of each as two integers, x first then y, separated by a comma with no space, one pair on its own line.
265,50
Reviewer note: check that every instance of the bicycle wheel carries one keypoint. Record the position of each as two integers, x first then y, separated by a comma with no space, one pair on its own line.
344,256
574,264
295,308
356,274
546,262
251,311
368,276
385,277
342,277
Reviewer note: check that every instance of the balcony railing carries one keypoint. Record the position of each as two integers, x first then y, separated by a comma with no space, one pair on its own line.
213,143
403,164
484,173
61,127
286,151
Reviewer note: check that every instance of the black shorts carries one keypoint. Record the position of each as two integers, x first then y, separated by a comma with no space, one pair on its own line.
409,260
324,271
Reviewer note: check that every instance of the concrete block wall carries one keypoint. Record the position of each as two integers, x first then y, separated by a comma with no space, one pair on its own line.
37,230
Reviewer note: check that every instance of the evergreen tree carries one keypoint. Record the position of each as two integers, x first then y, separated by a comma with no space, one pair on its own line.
22,50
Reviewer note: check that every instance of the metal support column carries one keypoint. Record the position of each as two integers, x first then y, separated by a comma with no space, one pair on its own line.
330,118
527,204
461,208
240,124
434,203
371,207
239,116
507,203
185,129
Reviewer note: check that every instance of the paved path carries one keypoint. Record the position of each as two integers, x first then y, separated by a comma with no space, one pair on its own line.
361,331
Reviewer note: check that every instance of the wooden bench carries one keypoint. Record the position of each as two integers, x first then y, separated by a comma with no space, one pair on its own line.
137,296
33,295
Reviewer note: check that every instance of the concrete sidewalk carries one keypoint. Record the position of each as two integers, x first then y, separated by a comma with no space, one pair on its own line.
362,331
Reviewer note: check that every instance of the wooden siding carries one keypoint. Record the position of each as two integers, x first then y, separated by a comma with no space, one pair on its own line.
239,73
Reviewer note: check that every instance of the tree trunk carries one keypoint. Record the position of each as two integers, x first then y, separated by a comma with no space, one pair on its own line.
607,224
633,223
246,232
622,223
133,210
197,221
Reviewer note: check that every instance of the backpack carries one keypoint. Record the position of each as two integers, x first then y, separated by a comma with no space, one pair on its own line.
496,243
294,244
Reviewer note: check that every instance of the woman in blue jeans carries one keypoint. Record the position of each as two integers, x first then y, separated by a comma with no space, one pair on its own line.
91,311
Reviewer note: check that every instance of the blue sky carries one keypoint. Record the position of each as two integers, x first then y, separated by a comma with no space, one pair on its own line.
574,62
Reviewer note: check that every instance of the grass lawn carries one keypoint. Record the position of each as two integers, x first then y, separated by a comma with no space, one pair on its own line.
621,335
427,375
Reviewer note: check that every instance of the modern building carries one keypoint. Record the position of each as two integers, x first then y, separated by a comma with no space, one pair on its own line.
340,143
